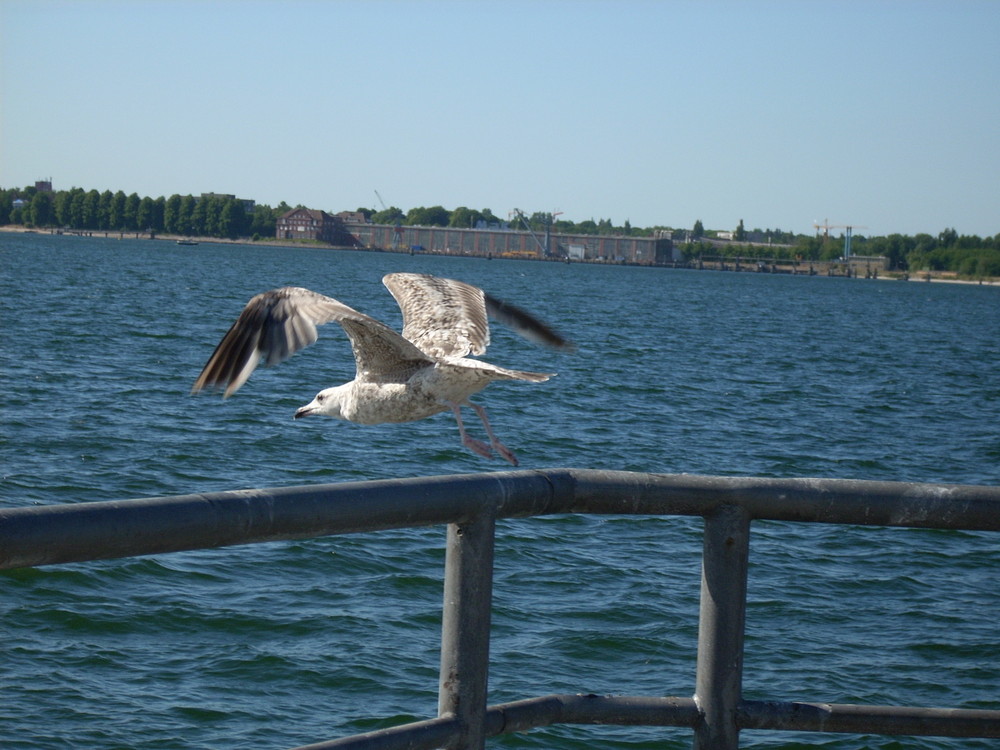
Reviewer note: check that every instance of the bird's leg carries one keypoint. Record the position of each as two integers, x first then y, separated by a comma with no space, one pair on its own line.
476,446
499,447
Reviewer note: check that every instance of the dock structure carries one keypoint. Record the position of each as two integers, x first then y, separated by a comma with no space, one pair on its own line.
499,242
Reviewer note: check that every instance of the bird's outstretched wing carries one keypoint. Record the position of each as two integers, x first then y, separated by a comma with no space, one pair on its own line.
443,317
276,324
448,318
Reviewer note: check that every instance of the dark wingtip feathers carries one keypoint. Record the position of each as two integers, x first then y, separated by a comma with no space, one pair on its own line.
526,324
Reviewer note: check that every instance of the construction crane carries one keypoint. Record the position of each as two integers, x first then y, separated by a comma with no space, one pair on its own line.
544,248
520,214
826,226
397,231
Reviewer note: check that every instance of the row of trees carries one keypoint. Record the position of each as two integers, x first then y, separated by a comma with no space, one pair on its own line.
79,209
223,216
967,255
470,218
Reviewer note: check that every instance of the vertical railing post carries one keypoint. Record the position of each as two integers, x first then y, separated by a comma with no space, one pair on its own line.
718,684
465,627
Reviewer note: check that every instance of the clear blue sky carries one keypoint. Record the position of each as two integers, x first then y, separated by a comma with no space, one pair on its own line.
879,114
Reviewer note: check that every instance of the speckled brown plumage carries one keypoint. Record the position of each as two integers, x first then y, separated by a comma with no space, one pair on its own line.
400,377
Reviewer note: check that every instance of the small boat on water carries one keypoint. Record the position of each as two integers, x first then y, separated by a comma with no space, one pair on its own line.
187,242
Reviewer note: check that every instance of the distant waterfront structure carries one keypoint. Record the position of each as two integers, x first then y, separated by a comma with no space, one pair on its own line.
41,186
312,224
511,243
349,229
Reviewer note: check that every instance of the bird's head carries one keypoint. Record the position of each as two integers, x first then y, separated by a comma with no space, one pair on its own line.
327,401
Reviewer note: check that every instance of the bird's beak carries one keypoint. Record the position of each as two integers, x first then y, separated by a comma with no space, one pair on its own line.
304,411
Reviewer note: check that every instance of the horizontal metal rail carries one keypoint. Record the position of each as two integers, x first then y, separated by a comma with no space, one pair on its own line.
470,505
43,535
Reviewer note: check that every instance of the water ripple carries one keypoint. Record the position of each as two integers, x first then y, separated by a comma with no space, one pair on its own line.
283,644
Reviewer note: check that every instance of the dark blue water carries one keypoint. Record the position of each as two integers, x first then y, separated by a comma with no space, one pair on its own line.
676,371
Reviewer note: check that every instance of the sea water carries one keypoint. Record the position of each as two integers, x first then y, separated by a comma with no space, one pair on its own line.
675,371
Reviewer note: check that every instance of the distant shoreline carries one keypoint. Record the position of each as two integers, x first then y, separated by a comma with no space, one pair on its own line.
939,277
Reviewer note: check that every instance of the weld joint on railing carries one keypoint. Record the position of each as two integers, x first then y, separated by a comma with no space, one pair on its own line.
553,492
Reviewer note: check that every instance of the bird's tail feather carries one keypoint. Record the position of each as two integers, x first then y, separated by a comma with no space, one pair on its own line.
531,377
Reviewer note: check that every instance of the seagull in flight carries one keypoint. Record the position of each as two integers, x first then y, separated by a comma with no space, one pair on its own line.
400,377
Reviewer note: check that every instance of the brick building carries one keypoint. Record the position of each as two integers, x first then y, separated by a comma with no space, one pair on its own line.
311,224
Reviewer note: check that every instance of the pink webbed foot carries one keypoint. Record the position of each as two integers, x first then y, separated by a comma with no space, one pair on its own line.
499,447
477,446
506,452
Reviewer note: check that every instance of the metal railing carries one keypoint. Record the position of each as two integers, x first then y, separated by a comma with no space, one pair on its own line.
470,505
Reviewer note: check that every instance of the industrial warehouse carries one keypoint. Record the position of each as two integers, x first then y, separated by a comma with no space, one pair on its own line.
349,229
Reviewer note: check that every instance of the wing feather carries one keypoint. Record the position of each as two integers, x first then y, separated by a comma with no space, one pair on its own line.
525,324
275,325
448,318
443,317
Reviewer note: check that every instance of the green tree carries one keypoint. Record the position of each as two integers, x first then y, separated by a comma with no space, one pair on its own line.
464,217
74,210
157,220
740,235
103,218
948,237
264,220
116,216
434,216
808,248
60,207
232,219
539,221
6,201
91,210
699,230
185,215
391,215
145,215
171,214
897,248
200,217
39,213
130,213
489,217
